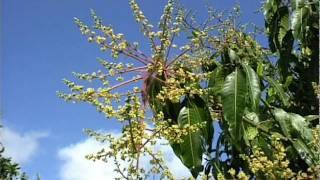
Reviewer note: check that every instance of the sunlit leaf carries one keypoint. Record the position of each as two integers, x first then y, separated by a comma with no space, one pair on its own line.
233,102
253,84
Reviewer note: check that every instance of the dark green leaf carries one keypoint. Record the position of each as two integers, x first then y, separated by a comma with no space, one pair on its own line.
151,89
299,21
283,15
280,92
295,127
216,81
253,86
303,151
233,102
194,144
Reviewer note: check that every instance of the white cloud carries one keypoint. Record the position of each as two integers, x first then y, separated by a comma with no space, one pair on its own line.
76,167
20,147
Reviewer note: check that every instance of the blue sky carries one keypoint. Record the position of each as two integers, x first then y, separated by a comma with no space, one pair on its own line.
40,45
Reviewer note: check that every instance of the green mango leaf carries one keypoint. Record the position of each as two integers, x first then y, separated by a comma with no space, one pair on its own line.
300,125
310,118
304,152
252,116
295,127
194,144
299,21
278,27
288,82
253,86
269,8
283,15
292,123
151,89
280,92
232,55
251,133
216,80
234,101
260,69
282,118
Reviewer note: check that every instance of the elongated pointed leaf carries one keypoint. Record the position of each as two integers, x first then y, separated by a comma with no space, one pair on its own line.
253,87
194,144
299,21
233,102
310,118
216,81
284,26
304,152
295,127
151,88
282,118
280,92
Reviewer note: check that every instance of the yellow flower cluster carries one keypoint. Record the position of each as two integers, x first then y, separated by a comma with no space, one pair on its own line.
275,168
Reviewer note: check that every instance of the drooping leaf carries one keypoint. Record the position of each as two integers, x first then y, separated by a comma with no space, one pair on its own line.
151,89
278,27
299,20
300,125
233,102
253,87
295,127
304,152
284,27
194,144
283,119
216,81
280,92
270,7
310,118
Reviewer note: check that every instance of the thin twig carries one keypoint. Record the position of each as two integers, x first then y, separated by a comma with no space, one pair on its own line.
132,69
125,83
169,48
119,170
184,52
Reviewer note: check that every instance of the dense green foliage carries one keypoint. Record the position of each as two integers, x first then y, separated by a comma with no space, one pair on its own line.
263,100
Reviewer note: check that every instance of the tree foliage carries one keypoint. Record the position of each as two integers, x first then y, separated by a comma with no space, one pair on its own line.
267,111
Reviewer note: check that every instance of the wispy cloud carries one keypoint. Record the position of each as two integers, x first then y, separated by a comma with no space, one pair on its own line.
21,147
76,167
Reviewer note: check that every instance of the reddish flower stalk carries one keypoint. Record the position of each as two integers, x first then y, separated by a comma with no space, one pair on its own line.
125,83
142,68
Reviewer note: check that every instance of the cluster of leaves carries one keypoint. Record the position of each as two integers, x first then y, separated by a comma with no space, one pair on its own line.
221,73
293,32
